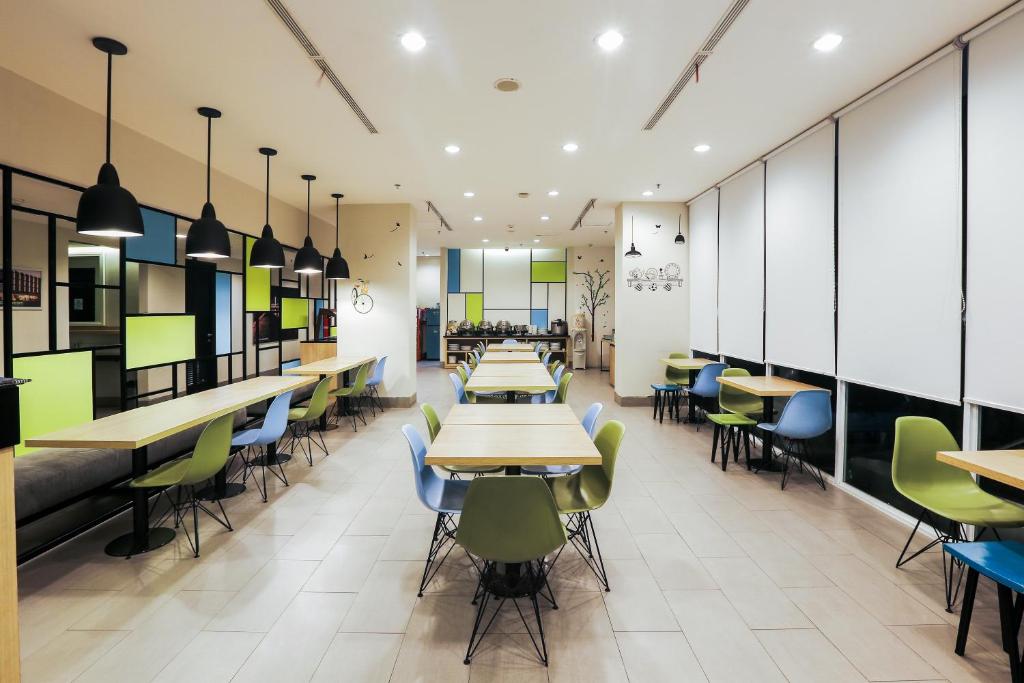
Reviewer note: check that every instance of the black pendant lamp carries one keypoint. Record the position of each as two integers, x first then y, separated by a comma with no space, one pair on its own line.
267,251
632,253
106,208
679,235
207,237
337,266
308,259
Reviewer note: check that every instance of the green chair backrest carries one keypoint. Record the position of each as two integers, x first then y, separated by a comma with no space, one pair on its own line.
915,471
433,423
510,519
562,393
674,376
554,366
595,481
736,401
472,361
462,373
360,384
318,401
211,451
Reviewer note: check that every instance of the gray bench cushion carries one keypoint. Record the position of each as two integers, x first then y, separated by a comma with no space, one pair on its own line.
49,476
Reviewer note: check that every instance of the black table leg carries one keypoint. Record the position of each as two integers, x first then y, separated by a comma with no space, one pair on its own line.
767,442
510,397
221,489
324,425
346,406
142,539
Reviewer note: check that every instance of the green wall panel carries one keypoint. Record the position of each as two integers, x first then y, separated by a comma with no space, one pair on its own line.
257,283
548,271
294,313
475,307
159,339
59,395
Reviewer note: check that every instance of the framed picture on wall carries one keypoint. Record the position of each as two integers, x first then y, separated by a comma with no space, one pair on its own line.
27,290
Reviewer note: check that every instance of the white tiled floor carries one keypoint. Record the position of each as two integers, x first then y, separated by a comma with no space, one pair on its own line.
715,576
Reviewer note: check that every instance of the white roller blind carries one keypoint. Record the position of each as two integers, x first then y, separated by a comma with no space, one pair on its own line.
899,236
704,272
995,227
800,262
741,266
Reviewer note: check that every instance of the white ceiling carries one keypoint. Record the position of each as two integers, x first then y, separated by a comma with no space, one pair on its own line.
763,84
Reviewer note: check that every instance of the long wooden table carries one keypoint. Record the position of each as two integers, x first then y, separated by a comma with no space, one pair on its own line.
510,378
687,363
335,365
519,346
510,357
136,429
1003,466
505,414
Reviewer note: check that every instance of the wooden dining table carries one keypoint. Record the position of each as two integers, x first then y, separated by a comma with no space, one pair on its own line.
326,367
510,378
518,346
509,357
1005,466
135,429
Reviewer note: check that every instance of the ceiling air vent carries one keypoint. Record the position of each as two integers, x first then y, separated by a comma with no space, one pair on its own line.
314,53
701,56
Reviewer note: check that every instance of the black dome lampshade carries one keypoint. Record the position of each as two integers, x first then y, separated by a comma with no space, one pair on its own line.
106,208
267,251
632,253
207,237
679,235
308,259
337,266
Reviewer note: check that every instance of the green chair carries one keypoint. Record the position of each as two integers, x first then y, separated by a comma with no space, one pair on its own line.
208,458
511,524
304,422
734,422
473,362
554,367
562,393
667,393
462,373
433,427
949,497
578,494
352,395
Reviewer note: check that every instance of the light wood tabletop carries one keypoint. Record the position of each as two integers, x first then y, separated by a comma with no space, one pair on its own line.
511,414
510,347
511,377
1003,466
687,363
512,445
142,426
507,369
510,357
334,365
768,387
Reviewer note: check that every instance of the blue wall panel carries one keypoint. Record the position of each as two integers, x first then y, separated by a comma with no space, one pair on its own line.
454,270
223,312
539,317
157,244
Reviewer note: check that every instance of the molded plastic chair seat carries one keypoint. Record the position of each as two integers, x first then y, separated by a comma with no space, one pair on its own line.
168,474
674,376
969,504
246,437
448,499
666,387
732,420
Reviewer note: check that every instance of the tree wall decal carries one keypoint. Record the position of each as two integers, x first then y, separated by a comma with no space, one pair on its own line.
594,297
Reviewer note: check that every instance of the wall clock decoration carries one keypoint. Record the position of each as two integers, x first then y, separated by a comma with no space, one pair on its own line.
361,299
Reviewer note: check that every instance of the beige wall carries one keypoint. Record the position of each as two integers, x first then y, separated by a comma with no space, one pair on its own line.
591,259
428,281
43,132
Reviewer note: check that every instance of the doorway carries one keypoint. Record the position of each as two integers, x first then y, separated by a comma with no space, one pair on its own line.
200,295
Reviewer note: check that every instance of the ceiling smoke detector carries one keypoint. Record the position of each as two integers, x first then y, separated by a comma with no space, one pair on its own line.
506,84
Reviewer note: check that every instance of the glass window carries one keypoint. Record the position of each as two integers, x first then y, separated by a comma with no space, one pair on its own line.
756,369
705,354
870,431
823,448
1001,430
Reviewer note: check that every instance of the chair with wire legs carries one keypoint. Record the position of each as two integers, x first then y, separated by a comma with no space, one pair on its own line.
433,428
373,386
304,423
589,423
208,458
461,395
255,443
577,495
353,395
443,496
807,415
510,525
949,497
562,392
734,421
468,370
509,342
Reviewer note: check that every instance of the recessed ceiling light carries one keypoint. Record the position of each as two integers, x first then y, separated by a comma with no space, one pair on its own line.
452,149
544,218
828,42
485,240
468,194
536,241
413,41
553,193
647,193
570,147
478,218
181,237
701,148
610,40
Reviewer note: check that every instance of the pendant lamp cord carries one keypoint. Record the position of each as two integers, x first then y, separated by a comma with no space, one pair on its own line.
309,185
209,142
266,211
337,222
110,69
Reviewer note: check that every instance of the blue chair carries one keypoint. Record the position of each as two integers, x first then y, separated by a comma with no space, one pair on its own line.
253,442
536,347
461,396
706,385
509,342
549,396
372,384
443,496
807,415
1003,563
589,423
465,366
546,358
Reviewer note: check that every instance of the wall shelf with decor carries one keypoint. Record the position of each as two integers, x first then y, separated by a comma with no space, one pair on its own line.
470,341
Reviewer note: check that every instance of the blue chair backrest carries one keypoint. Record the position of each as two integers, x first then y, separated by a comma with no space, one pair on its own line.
290,364
460,390
465,366
428,485
509,342
557,377
706,383
546,358
276,419
807,414
477,354
589,420
378,372
536,347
